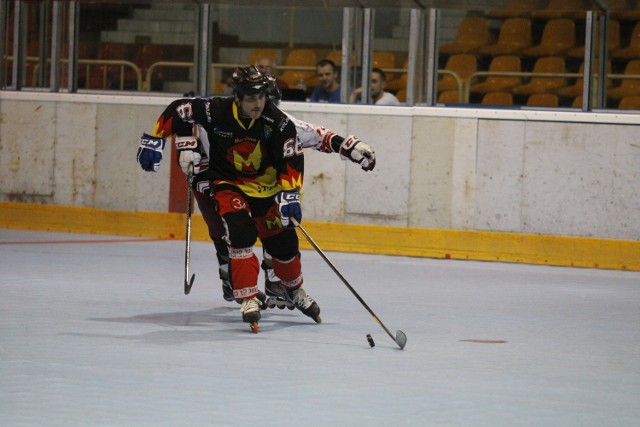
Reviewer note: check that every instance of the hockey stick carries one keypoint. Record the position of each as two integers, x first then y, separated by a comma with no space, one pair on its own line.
400,338
188,283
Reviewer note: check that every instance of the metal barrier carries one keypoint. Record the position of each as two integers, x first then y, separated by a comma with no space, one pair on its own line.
88,63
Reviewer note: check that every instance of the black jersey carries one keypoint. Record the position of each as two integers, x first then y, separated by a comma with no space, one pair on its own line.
260,157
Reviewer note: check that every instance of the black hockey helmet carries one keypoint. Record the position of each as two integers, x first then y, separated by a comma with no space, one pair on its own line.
249,81
274,93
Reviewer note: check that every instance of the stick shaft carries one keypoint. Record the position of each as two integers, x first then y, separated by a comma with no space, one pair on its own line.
342,278
187,252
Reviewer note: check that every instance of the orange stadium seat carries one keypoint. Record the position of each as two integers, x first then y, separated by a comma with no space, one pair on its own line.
299,57
631,50
497,98
514,36
543,100
462,65
628,87
630,103
473,33
613,41
541,84
449,97
516,9
498,83
624,11
262,53
576,88
555,9
558,36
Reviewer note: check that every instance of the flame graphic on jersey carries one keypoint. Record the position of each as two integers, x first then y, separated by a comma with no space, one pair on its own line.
162,128
245,160
292,180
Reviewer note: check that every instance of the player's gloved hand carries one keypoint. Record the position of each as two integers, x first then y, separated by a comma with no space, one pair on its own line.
289,207
359,152
150,152
188,153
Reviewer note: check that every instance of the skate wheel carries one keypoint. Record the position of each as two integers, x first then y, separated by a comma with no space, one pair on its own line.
281,304
255,327
317,319
291,307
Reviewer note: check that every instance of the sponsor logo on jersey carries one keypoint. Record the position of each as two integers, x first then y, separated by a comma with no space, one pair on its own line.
267,132
222,133
284,123
247,157
207,110
273,224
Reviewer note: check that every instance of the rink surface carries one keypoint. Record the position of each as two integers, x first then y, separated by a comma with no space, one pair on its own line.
96,331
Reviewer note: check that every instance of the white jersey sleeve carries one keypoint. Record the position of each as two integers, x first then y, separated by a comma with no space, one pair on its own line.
313,136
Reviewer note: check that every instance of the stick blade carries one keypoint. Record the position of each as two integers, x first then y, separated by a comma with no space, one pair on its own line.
189,284
401,339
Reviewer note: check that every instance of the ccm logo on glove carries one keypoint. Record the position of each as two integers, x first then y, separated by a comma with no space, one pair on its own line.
150,152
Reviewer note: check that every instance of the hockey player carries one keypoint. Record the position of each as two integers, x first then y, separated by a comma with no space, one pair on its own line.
255,171
310,136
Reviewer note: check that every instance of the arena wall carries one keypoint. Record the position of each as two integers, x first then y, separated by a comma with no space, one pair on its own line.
506,172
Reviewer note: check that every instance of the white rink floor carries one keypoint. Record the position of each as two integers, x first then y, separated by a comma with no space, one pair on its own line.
96,331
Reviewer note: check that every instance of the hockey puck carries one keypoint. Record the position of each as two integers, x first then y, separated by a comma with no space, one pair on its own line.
371,343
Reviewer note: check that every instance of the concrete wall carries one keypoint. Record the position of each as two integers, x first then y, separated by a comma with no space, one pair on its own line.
523,171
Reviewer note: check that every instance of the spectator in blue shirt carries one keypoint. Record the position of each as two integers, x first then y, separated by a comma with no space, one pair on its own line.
329,88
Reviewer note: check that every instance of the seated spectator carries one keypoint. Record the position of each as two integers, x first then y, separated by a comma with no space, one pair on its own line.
267,66
376,87
329,88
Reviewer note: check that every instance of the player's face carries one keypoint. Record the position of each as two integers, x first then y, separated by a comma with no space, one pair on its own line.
326,76
251,106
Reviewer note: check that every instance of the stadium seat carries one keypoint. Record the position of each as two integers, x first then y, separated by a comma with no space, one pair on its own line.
558,36
498,83
299,58
385,60
576,88
514,36
473,33
106,76
146,56
400,82
556,9
628,87
516,9
402,95
336,57
630,103
541,84
262,53
631,50
613,43
449,97
622,10
543,100
462,65
497,98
